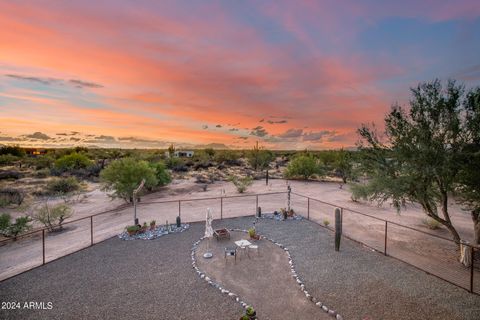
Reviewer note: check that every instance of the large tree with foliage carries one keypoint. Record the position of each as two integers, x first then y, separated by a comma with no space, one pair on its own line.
468,186
259,158
419,159
304,166
123,176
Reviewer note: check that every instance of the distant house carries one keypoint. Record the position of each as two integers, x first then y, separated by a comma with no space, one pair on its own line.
33,152
184,154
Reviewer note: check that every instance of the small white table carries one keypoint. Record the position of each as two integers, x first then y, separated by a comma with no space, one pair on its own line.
243,244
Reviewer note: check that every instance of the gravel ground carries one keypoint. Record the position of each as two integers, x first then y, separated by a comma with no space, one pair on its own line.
153,279
361,284
116,279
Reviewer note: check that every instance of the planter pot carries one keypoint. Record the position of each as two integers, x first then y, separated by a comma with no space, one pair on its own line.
131,233
152,227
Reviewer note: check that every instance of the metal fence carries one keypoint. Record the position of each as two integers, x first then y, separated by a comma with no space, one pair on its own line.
38,247
388,237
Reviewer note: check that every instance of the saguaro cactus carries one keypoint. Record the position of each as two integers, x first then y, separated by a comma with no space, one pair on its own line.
338,228
179,222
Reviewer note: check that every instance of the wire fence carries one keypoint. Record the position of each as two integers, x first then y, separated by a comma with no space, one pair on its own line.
431,253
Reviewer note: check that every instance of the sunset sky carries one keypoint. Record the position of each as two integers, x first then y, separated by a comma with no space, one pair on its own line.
289,74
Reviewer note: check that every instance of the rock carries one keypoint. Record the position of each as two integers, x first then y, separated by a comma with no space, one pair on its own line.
319,304
325,308
339,317
332,313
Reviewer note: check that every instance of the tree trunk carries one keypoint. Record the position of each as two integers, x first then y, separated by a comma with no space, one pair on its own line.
476,226
446,216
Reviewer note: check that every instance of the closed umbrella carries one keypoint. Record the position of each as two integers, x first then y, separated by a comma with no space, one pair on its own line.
208,233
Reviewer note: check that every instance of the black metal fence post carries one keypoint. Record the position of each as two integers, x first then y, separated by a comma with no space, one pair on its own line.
386,235
308,208
472,249
179,208
91,230
221,208
43,245
256,205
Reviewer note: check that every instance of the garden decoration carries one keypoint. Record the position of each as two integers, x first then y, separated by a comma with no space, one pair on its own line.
208,233
135,219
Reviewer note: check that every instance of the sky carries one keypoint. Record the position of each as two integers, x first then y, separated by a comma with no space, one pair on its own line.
288,74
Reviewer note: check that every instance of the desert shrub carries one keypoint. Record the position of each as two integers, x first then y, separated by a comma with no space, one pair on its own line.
259,158
72,161
161,173
303,166
123,176
16,151
326,222
10,196
174,162
42,173
242,183
10,174
63,186
43,162
13,229
431,223
53,216
229,157
7,159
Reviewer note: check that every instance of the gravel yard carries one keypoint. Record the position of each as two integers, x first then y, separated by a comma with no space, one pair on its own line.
153,279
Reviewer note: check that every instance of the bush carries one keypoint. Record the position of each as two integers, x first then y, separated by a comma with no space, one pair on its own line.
16,151
11,196
259,158
228,157
123,176
63,186
431,224
42,173
7,159
52,217
326,222
161,173
73,161
242,184
304,166
12,230
8,174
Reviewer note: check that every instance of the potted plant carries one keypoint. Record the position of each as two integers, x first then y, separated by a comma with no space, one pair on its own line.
143,228
251,313
132,230
284,213
253,234
152,225
291,213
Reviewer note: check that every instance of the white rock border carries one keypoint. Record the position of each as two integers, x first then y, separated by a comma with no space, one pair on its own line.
238,299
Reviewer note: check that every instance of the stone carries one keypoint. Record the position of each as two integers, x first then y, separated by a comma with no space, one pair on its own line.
319,304
325,308
332,313
339,317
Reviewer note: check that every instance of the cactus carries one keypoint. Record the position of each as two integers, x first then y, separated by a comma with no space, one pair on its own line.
338,228
179,222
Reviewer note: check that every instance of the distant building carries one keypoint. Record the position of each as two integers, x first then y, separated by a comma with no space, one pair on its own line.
184,154
33,152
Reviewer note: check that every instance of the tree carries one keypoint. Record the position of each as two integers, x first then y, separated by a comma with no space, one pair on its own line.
171,150
241,183
16,151
259,158
124,175
469,175
161,173
13,229
305,166
343,166
72,161
52,217
420,159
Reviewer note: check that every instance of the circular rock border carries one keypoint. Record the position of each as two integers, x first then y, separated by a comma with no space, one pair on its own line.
238,299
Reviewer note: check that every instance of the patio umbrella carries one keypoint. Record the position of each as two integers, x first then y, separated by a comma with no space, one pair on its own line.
208,233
